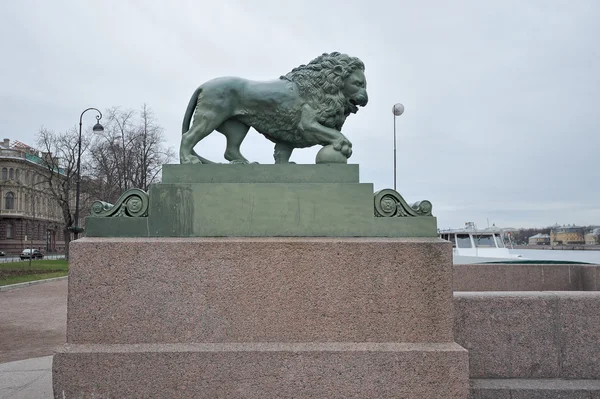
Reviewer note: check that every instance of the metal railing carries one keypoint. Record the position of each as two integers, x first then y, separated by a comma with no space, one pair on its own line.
14,212
16,258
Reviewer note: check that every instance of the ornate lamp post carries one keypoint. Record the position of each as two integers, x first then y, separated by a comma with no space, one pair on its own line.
97,128
397,110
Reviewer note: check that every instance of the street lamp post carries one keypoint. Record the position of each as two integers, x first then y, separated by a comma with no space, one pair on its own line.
97,128
397,110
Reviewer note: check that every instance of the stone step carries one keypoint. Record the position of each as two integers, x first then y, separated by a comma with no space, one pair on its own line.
262,370
548,388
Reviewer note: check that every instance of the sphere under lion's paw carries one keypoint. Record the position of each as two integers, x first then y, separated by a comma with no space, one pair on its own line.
328,154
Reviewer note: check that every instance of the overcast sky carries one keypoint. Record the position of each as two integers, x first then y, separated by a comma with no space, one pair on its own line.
501,97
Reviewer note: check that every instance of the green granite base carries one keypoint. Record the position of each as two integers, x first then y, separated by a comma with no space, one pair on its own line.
278,209
261,201
116,227
377,227
290,173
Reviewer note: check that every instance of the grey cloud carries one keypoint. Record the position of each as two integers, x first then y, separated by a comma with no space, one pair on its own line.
500,96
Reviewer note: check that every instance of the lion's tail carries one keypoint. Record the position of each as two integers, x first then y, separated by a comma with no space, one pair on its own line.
187,119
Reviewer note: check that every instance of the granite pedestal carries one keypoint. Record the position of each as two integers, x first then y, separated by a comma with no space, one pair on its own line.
262,317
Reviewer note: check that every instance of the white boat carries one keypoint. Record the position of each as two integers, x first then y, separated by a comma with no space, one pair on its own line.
472,245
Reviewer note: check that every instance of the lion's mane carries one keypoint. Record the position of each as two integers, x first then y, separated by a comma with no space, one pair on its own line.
321,87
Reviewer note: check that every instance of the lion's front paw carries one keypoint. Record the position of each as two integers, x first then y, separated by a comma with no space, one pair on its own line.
344,146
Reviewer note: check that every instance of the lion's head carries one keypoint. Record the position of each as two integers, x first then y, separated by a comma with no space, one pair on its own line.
334,85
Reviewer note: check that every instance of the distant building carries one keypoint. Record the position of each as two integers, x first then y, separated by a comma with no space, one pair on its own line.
593,237
29,216
539,239
567,235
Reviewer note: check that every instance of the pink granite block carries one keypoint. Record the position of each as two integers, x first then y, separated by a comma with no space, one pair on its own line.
591,277
508,334
530,334
524,277
276,370
171,290
518,277
561,278
579,328
480,278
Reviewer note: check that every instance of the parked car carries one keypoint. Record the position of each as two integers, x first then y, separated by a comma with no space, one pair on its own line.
2,253
31,253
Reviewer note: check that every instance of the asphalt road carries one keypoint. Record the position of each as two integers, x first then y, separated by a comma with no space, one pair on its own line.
33,320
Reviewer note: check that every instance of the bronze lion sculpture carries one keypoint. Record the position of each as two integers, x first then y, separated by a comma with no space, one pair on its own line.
306,107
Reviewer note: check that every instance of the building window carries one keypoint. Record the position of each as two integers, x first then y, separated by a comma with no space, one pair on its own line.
4,173
18,174
9,201
11,173
9,230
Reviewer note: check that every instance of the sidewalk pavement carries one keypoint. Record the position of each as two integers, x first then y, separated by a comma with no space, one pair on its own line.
27,379
33,323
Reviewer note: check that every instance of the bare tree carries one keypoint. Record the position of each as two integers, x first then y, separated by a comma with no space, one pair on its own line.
149,152
59,158
111,152
129,154
106,181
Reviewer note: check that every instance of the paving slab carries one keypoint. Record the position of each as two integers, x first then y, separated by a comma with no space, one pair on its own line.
545,388
33,320
26,379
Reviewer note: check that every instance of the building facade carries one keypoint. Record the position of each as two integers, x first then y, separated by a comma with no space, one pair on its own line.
29,215
567,235
593,237
539,239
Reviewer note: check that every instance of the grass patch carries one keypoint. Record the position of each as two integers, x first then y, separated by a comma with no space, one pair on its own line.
21,272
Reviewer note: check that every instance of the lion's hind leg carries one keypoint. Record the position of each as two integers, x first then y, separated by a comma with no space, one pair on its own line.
235,132
204,124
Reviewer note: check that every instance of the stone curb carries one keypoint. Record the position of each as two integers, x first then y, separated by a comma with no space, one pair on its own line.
23,285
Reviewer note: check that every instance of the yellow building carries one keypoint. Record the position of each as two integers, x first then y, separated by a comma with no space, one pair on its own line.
567,235
29,216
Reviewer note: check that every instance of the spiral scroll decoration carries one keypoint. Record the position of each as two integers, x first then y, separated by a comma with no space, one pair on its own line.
389,203
423,208
132,203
